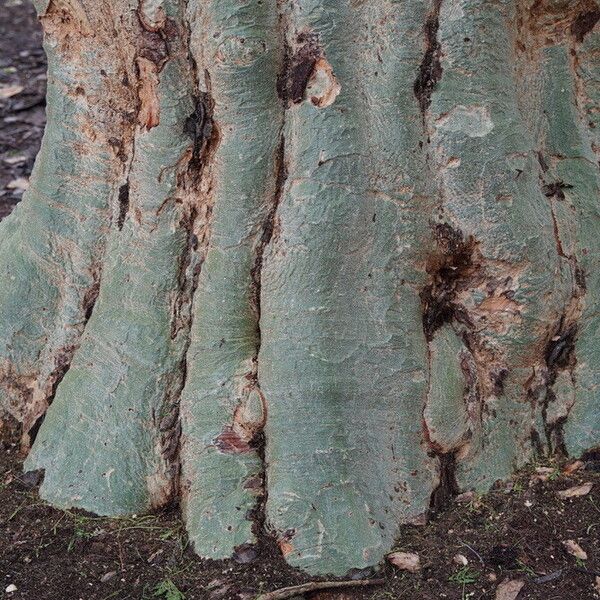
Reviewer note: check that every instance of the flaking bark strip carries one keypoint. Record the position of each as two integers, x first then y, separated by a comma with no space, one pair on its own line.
559,351
201,129
268,227
153,51
430,71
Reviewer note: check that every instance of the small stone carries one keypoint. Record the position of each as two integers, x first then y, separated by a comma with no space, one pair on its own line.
11,588
245,553
492,577
460,559
465,497
509,590
107,576
31,479
405,561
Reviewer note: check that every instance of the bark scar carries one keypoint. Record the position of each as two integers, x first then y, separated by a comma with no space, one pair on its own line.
430,70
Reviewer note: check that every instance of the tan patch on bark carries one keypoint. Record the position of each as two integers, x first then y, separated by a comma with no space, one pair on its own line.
66,21
286,548
18,389
160,489
323,87
152,15
149,113
250,415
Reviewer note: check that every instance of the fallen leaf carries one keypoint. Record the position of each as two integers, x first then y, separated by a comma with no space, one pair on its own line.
573,467
15,159
21,183
10,90
575,549
543,473
509,590
597,586
406,561
577,490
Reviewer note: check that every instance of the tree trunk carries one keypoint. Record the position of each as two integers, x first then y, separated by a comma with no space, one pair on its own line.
310,267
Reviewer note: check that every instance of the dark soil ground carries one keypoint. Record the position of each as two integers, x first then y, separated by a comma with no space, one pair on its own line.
22,65
516,532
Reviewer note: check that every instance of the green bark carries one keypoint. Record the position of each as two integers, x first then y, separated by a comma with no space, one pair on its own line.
309,268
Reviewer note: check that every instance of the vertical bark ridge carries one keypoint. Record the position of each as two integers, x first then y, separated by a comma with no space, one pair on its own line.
52,247
573,364
492,295
340,290
119,399
580,431
550,36
223,408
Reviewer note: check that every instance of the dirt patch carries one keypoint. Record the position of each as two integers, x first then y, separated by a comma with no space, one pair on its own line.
22,103
516,532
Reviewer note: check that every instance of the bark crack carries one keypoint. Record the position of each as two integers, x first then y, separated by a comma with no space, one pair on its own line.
41,399
448,268
430,70
194,181
291,87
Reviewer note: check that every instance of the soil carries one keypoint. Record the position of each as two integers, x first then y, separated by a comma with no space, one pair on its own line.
515,532
22,115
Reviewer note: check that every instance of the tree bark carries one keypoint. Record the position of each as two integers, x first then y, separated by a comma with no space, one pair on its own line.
309,267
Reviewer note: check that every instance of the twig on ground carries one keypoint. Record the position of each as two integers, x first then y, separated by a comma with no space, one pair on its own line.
474,552
312,586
